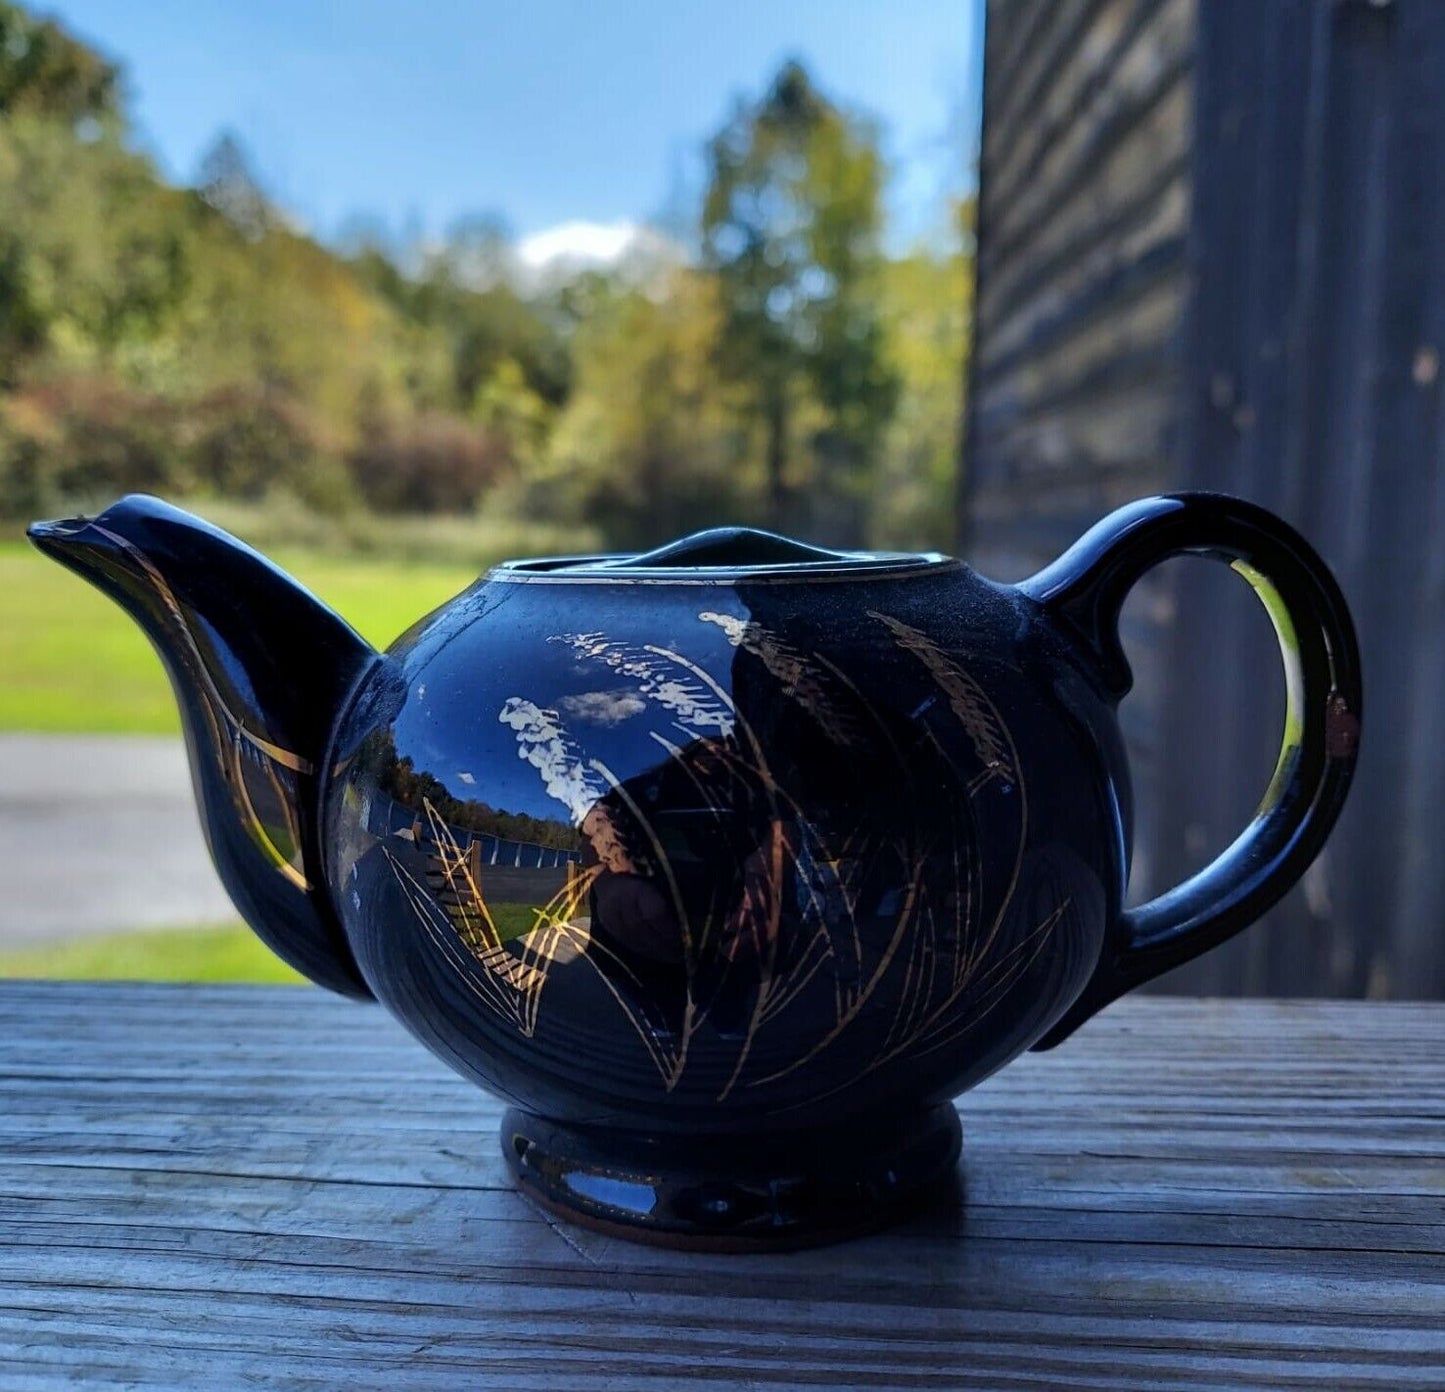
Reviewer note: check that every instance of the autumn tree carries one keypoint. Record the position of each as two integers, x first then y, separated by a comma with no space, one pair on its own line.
92,248
792,230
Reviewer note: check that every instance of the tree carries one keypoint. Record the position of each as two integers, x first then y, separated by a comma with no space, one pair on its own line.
928,306
92,248
791,228
45,71
651,442
226,183
463,292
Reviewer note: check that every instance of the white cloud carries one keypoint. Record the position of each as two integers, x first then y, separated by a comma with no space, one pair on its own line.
580,243
543,743
604,708
735,628
663,678
637,253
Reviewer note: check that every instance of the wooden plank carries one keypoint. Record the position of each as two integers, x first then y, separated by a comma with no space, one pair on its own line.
1086,58
1042,92
1149,204
1081,266
1144,80
1312,382
269,1186
1020,42
1078,445
1137,304
1313,388
1013,27
1204,776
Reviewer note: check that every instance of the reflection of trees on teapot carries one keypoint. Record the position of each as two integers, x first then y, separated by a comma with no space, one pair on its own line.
677,861
635,932
775,866
710,884
401,780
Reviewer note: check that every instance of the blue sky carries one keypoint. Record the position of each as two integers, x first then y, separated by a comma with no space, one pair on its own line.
546,111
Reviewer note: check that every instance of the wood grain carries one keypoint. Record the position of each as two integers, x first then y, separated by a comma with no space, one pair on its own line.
1083,217
232,1186
1312,386
1084,225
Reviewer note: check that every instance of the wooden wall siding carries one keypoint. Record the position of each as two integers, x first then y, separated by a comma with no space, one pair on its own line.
1212,255
1083,222
1083,228
1314,386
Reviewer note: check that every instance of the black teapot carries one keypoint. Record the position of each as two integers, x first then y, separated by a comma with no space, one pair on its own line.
728,865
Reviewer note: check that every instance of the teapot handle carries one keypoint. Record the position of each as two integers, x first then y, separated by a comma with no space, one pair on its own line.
1086,589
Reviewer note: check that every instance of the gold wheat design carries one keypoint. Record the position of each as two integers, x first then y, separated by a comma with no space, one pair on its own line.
965,697
795,672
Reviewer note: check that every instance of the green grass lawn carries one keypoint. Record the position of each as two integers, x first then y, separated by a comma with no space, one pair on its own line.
70,660
230,952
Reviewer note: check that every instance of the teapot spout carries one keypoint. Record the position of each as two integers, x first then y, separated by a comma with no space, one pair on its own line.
261,669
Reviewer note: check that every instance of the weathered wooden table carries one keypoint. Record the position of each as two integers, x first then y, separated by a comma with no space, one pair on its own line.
223,1187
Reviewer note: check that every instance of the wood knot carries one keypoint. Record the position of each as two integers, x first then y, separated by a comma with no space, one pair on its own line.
1342,728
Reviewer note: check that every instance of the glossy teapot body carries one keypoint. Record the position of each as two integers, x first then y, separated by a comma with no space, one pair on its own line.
722,854
731,864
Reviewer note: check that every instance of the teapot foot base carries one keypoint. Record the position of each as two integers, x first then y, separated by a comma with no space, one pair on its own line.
740,1194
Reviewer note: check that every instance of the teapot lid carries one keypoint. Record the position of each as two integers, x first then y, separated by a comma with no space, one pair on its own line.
723,555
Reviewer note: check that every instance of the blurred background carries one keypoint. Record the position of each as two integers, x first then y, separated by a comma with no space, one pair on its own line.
395,295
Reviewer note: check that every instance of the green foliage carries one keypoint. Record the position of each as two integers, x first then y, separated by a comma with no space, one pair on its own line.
514,414
246,442
276,311
45,71
81,438
928,301
791,229
437,400
92,248
429,463
279,525
462,296
652,444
